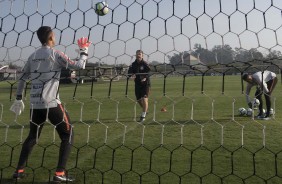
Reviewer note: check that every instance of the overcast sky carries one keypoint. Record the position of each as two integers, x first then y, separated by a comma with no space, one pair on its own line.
159,27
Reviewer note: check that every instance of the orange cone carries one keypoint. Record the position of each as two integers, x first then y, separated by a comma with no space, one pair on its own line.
163,109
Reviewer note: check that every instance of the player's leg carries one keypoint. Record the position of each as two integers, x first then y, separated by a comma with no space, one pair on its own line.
59,117
268,104
258,95
270,85
144,100
143,113
36,125
145,97
140,102
138,95
145,104
142,97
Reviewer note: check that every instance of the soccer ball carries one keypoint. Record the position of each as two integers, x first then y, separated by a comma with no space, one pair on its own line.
242,111
101,8
256,102
249,112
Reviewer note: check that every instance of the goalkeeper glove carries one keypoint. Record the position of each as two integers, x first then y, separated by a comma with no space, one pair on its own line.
83,45
17,107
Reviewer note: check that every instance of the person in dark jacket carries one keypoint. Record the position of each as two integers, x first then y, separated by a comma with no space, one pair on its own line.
139,70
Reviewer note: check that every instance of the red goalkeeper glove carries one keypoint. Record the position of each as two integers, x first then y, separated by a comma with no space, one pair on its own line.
83,45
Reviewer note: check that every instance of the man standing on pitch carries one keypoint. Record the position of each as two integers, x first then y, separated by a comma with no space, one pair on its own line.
43,69
265,82
139,70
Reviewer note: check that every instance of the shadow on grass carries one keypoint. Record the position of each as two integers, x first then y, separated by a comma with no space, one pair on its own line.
12,181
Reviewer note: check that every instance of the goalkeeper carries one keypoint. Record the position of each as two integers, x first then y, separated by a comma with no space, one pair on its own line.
139,71
43,69
265,82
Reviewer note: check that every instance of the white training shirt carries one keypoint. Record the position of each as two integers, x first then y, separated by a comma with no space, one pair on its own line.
43,69
259,79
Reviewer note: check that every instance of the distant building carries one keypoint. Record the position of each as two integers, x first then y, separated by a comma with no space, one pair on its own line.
195,63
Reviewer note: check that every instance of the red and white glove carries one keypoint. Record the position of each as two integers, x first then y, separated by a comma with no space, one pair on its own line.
83,45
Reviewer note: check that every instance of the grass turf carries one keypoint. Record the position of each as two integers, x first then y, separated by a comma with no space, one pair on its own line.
197,140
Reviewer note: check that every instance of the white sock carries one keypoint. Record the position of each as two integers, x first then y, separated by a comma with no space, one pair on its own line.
143,114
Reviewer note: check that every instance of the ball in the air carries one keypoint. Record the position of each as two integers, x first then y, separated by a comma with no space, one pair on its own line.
101,8
242,111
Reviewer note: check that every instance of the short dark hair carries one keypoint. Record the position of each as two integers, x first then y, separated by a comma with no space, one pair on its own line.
43,34
245,76
139,51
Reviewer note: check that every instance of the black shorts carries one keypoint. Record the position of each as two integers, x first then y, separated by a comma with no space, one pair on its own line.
57,116
142,91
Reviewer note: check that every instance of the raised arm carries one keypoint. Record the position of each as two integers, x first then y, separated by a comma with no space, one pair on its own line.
66,62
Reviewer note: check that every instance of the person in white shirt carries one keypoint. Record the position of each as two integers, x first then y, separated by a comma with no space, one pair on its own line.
43,70
265,81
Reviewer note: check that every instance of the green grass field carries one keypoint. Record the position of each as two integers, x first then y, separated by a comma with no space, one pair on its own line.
203,144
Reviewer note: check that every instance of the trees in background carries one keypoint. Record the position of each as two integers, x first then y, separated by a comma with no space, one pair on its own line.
222,54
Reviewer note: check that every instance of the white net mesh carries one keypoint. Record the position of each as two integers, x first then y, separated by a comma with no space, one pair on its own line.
197,50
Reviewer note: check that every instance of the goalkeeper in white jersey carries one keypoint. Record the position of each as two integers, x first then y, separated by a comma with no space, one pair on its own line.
43,70
265,82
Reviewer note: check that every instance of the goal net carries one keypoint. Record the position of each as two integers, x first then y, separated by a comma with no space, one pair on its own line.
197,50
